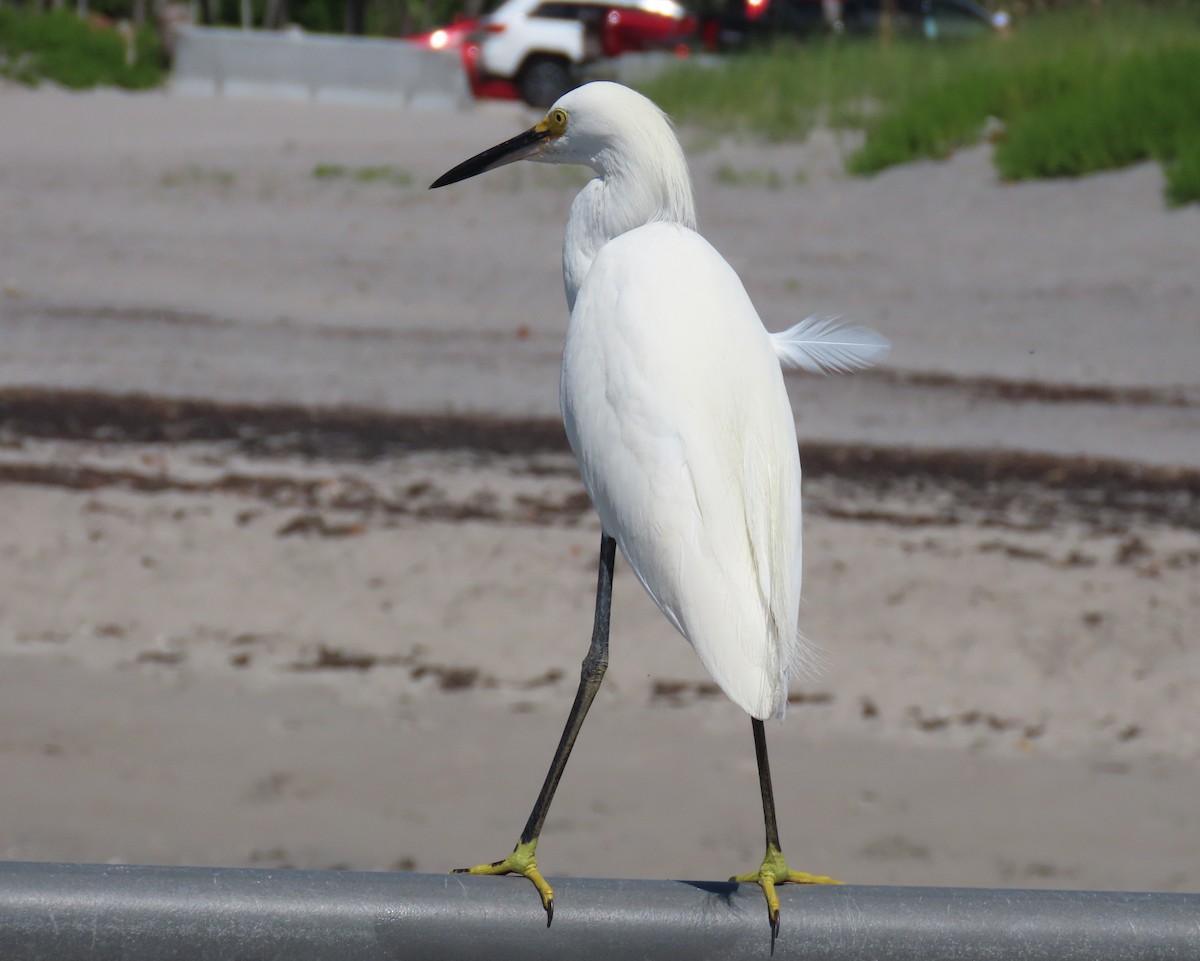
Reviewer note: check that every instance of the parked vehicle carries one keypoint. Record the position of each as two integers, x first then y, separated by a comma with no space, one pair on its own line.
450,37
931,18
537,50
751,21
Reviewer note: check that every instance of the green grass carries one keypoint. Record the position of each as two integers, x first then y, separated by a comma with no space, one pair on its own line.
781,93
1144,107
729,176
1183,172
60,47
365,175
1075,90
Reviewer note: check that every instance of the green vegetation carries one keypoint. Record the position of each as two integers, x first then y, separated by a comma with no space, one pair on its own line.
364,175
60,47
782,92
1146,106
1073,91
729,176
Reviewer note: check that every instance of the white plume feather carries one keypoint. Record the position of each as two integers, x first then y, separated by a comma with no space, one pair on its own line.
824,345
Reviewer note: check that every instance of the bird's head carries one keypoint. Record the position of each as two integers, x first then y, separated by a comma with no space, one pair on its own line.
600,125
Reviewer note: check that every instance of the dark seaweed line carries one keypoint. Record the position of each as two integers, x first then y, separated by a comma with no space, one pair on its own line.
353,434
1033,391
1019,506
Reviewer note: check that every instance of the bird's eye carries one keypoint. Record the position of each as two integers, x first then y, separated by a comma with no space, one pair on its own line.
558,120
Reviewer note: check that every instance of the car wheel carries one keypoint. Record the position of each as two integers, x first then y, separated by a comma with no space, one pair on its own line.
543,80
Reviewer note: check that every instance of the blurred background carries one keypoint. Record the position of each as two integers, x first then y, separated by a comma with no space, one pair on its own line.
295,566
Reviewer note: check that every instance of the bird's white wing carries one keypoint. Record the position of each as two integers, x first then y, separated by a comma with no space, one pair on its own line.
675,406
825,345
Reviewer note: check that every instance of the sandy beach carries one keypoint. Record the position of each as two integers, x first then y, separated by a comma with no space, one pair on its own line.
296,569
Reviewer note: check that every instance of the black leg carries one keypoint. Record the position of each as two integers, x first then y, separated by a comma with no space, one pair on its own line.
590,676
764,783
523,860
774,869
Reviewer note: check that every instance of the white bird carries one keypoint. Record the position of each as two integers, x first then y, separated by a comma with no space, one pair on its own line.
675,406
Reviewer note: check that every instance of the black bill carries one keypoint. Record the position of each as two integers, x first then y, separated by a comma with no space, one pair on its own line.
521,146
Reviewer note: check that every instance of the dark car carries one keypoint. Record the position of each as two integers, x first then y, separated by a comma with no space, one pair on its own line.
751,21
931,18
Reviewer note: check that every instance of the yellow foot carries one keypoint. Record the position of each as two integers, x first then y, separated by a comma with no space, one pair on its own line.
775,871
522,861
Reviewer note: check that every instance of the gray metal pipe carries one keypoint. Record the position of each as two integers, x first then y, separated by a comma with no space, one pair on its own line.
65,912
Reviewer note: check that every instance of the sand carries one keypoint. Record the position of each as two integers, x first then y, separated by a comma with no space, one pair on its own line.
280,633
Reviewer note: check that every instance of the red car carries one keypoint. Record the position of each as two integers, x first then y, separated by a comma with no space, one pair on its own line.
536,50
450,37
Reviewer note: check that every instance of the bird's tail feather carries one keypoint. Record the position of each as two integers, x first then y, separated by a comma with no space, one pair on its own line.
824,345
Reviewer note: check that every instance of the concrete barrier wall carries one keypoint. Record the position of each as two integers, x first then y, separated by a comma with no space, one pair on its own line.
293,65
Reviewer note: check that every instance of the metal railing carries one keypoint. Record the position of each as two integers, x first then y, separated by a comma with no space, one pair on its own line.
64,912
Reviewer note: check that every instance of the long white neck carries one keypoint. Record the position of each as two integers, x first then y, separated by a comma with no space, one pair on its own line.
633,187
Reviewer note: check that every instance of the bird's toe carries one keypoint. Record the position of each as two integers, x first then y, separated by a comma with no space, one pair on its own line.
774,870
522,861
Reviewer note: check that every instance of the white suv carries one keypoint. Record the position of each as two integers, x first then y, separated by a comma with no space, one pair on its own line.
540,45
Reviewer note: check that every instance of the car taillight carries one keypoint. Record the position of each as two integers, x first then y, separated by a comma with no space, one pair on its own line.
755,9
495,28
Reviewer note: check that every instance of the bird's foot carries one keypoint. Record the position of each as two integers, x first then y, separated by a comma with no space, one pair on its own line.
522,861
774,870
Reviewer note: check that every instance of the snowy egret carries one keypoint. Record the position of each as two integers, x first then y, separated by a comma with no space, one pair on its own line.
675,407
